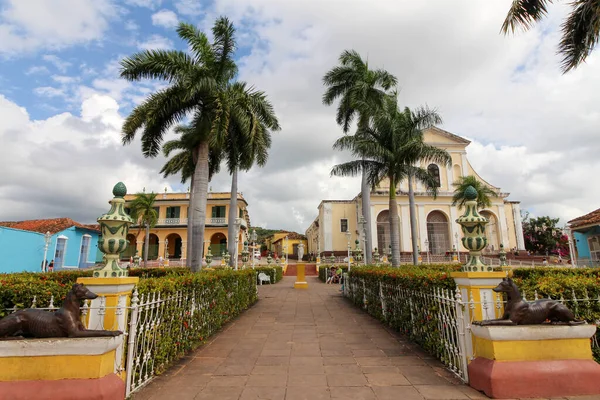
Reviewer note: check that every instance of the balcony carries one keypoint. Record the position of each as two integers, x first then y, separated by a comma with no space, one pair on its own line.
216,221
172,221
184,221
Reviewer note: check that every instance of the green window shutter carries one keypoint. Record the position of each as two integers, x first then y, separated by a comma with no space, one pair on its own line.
214,212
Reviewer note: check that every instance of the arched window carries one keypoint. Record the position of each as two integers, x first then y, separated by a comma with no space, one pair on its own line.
434,171
383,231
491,230
438,233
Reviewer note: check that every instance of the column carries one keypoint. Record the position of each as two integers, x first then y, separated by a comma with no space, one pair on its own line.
449,176
405,228
503,226
516,208
465,167
373,227
327,228
454,228
422,223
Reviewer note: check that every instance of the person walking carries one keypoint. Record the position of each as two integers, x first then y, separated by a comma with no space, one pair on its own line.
51,266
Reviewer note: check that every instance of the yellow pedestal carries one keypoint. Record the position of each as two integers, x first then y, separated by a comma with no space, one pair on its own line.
114,295
301,277
477,287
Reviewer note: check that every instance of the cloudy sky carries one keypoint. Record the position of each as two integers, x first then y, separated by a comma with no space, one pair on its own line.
535,133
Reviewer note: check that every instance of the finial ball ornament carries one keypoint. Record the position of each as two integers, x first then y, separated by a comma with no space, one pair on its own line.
471,193
120,190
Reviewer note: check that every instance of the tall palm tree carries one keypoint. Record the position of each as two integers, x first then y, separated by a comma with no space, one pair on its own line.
247,142
484,193
143,212
580,31
391,144
197,82
184,163
361,91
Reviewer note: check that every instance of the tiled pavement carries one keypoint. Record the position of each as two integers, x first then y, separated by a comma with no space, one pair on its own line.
312,345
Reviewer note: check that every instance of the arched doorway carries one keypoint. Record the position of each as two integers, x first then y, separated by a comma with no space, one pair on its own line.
131,247
438,233
174,246
491,231
152,248
383,231
218,244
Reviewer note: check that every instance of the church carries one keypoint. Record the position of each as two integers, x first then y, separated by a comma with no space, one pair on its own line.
337,224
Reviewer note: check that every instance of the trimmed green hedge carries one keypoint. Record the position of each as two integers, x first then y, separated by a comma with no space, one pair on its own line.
323,268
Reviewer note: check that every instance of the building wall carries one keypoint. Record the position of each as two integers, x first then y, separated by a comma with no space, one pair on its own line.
24,251
581,241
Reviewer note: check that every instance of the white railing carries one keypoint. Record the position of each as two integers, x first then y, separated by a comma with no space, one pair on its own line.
217,221
450,341
172,221
184,221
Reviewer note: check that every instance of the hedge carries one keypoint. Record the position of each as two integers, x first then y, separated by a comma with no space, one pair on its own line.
556,283
323,268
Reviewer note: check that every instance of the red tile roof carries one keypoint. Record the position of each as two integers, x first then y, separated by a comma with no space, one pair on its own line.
587,219
53,225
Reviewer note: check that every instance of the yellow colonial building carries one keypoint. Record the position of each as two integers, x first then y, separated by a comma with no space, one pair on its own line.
438,231
171,228
286,242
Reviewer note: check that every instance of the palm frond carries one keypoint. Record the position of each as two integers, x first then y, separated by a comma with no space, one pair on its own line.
198,43
168,65
524,14
580,33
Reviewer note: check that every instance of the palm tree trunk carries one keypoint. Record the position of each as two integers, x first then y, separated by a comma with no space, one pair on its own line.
199,196
394,225
233,212
366,211
188,250
147,244
413,220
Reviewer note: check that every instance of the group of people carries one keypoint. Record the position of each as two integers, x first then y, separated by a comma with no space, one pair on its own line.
334,275
47,267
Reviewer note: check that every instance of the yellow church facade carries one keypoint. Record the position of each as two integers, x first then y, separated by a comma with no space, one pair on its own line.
337,222
168,238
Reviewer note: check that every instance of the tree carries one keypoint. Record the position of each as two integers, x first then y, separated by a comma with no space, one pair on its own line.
580,31
391,144
247,142
143,212
484,193
542,236
361,92
184,163
197,82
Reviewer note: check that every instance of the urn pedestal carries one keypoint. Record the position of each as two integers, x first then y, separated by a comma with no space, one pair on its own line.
541,361
301,277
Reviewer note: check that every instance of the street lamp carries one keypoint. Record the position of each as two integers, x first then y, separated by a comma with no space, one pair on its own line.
349,236
569,232
47,238
253,237
362,222
427,250
238,224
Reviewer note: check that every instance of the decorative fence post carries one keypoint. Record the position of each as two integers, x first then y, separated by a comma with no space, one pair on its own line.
111,283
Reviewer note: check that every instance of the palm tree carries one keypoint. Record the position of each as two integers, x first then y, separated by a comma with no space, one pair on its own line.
361,91
184,163
247,142
580,31
484,193
142,211
392,144
196,87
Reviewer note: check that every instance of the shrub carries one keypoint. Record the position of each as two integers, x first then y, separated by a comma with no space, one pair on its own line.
158,272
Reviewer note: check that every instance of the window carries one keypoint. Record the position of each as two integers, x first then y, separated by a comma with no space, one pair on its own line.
173,212
241,213
218,212
343,225
594,244
434,171
127,210
59,253
84,251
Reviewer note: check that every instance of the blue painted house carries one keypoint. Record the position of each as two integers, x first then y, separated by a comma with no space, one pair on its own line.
71,245
586,237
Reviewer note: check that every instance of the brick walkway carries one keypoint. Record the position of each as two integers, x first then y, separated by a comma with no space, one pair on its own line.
309,345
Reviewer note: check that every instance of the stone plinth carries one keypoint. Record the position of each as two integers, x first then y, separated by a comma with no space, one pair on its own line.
477,287
301,277
534,361
62,368
115,295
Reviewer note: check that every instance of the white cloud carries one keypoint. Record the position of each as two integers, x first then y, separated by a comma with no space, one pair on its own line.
131,26
37,70
165,18
155,42
30,25
60,64
48,91
152,4
63,162
189,7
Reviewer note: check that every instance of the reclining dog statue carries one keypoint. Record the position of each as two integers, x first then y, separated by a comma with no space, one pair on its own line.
520,312
65,322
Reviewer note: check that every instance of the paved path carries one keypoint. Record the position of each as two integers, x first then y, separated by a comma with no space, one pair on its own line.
311,345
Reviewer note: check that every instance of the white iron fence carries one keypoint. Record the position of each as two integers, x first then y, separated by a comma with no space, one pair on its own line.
439,319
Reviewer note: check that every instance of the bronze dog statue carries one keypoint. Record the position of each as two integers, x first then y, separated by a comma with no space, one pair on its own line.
65,322
520,312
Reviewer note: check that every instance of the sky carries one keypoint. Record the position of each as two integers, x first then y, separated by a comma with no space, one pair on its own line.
535,132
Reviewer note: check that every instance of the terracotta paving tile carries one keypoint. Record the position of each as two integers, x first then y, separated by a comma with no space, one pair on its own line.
270,370
368,353
343,369
297,360
397,392
354,393
388,369
422,376
346,380
306,369
218,380
434,392
219,392
262,393
338,360
373,361
267,380
240,369
387,379
307,380
297,393
273,361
